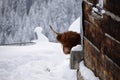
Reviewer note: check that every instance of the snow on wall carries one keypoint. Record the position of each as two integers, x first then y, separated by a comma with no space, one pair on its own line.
18,18
40,36
86,73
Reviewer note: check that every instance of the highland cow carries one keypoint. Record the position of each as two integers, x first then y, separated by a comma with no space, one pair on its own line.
68,39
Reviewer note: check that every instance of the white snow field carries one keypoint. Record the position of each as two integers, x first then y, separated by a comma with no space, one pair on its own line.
41,61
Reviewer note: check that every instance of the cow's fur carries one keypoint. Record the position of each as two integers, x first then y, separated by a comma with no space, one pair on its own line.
68,39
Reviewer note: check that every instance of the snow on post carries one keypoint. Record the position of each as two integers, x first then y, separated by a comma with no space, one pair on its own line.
40,36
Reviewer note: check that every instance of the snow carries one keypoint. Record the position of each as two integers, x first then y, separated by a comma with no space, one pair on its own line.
100,2
40,36
86,73
18,18
75,26
41,61
77,48
95,9
102,11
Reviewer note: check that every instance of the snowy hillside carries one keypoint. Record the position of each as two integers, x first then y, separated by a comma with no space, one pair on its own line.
18,18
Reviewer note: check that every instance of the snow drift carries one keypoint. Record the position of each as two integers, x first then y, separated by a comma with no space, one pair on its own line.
41,61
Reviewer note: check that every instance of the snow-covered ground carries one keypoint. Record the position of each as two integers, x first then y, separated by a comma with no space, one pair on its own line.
41,61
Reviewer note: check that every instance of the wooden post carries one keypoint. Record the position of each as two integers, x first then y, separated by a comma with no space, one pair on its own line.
75,58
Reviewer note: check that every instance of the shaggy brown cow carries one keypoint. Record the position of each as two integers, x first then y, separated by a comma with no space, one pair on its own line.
68,39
